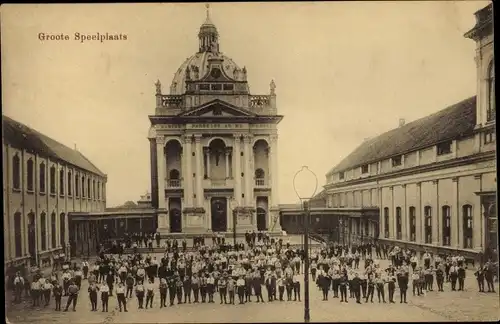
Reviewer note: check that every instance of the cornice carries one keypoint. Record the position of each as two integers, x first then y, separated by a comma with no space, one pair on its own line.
261,119
418,169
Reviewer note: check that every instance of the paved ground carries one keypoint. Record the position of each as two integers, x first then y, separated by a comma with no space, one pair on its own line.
445,306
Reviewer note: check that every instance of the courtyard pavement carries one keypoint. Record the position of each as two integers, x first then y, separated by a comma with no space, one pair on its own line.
468,305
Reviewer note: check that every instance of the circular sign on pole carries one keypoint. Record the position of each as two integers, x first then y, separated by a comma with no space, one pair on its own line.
305,183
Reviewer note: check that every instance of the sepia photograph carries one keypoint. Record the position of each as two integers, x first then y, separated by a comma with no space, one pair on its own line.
249,162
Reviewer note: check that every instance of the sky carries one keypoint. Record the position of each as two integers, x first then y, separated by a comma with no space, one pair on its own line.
344,72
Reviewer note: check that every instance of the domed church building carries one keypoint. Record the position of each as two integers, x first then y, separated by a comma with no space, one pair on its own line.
214,147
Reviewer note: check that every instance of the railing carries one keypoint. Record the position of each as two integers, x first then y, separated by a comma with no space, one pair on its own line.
259,101
174,183
171,101
260,182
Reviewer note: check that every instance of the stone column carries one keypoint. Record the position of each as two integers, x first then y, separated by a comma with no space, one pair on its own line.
227,152
207,157
237,168
274,203
248,156
199,171
187,173
161,163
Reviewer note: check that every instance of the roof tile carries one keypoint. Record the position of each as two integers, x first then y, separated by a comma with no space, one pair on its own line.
453,122
22,136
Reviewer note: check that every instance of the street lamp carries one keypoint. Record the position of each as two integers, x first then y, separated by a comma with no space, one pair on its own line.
305,184
234,208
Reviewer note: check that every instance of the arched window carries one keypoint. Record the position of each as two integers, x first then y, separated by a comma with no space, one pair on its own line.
61,182
70,183
43,231
42,177
53,229
468,226
62,228
30,175
18,234
88,188
446,215
259,174
77,185
52,180
428,224
174,174
83,186
399,224
386,222
16,172
491,112
413,224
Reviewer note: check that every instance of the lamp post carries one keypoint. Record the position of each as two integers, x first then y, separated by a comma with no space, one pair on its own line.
234,208
305,184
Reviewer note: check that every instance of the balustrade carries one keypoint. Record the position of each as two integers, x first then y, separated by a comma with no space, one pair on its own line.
260,182
171,101
174,183
259,101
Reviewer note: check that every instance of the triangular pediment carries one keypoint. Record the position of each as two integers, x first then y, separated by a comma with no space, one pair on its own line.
217,108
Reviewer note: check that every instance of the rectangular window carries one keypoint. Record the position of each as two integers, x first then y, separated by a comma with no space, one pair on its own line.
30,175
61,182
397,160
204,87
444,148
489,136
70,180
364,169
229,87
341,175
77,186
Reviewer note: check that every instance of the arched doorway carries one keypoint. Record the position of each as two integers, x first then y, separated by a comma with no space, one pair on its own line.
175,220
261,219
32,237
219,214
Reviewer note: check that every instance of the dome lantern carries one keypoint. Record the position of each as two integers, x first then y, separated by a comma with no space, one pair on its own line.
208,35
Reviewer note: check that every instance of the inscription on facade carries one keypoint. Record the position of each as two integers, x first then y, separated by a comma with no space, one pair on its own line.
215,126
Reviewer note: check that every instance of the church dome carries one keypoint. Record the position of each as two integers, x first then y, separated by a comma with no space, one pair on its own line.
198,61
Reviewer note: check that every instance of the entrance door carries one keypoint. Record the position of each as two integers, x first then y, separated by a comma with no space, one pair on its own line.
219,214
175,221
261,219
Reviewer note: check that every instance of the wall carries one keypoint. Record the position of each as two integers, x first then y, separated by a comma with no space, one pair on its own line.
37,202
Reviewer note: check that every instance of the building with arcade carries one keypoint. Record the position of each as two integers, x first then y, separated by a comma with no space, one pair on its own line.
213,146
43,182
433,180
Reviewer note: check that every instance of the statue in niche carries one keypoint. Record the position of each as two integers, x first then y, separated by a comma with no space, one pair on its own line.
217,157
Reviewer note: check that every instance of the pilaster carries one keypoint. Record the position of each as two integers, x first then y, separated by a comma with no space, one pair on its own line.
237,168
435,214
226,154
456,222
247,155
199,172
162,162
392,215
478,231
404,218
187,172
419,217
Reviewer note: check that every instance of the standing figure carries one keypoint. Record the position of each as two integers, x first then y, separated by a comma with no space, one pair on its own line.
139,292
163,292
120,296
73,296
150,293
93,289
104,296
57,291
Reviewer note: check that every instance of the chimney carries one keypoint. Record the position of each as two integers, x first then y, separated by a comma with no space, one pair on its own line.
401,122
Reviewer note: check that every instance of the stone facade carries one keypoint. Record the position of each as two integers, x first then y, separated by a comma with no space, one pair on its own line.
214,147
433,195
39,192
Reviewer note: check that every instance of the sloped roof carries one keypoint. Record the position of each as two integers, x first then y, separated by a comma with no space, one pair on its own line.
24,137
455,121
